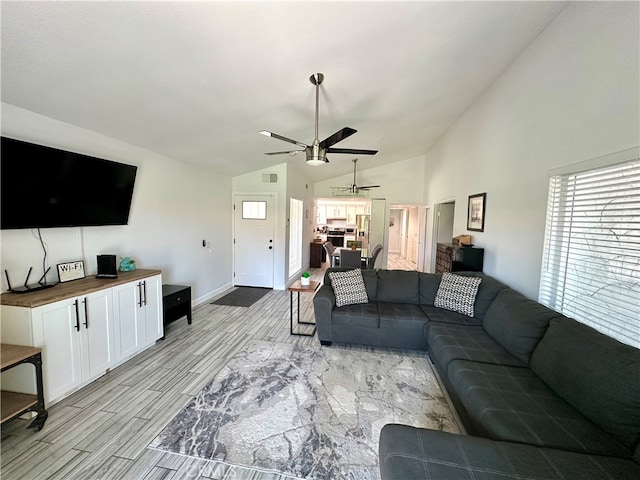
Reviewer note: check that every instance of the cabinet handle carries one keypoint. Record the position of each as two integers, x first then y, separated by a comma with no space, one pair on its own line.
86,313
140,294
144,287
77,315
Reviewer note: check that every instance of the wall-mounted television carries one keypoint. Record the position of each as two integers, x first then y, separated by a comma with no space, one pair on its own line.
45,187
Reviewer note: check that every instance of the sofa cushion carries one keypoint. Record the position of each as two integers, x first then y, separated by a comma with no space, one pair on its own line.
487,292
449,342
395,314
428,284
596,374
409,453
457,293
397,286
436,314
517,323
348,287
513,404
360,315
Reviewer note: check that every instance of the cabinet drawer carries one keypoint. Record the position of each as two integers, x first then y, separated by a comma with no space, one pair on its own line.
177,298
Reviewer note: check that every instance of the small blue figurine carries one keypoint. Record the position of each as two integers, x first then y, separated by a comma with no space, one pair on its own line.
127,264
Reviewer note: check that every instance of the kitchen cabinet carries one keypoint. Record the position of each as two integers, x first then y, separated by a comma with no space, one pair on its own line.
351,214
337,212
81,327
139,323
322,214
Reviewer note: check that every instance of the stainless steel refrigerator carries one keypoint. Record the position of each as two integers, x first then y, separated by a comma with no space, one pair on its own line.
363,223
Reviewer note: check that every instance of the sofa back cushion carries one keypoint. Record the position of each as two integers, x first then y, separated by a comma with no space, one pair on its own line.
517,323
428,284
487,292
398,286
370,278
596,374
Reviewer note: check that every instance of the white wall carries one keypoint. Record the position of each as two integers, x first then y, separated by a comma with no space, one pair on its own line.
175,206
574,94
400,182
291,183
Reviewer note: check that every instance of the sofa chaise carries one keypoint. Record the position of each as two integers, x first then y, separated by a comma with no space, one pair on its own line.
541,395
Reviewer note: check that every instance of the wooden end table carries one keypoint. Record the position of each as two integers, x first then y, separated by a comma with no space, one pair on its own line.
299,288
15,404
176,303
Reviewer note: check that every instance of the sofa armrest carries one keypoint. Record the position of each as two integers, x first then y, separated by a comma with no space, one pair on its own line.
324,302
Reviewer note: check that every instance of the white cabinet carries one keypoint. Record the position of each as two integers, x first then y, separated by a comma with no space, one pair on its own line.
322,214
351,214
84,335
139,319
77,340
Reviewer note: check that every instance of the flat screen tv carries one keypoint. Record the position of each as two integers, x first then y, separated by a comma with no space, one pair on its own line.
46,187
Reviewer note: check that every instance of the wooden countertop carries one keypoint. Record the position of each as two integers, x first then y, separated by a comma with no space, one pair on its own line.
72,289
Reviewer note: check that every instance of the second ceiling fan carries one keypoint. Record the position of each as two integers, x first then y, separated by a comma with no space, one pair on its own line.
316,153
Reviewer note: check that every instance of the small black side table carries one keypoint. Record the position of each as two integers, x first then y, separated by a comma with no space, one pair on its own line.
176,303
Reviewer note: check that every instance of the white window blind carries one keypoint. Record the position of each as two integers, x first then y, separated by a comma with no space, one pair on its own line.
295,235
591,261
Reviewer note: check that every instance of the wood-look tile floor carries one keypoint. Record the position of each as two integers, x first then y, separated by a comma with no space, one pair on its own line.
101,432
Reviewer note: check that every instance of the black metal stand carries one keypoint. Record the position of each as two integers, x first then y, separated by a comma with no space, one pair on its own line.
42,414
298,318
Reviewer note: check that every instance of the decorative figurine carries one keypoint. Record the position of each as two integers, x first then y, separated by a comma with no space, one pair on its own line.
127,264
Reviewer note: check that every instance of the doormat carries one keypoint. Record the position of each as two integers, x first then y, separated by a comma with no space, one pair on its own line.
308,412
242,297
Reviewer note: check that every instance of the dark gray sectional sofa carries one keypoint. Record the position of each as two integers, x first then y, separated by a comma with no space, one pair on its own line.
542,396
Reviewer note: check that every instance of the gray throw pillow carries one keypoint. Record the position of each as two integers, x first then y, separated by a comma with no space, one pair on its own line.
457,293
348,287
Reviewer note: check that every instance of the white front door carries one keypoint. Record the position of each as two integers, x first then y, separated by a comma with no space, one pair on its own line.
253,243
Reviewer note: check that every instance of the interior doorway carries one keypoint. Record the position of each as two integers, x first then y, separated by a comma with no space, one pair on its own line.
404,237
443,215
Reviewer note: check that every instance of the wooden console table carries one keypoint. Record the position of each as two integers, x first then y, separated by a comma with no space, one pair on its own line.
15,404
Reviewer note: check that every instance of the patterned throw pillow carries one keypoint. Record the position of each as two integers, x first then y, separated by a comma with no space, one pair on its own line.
348,287
457,293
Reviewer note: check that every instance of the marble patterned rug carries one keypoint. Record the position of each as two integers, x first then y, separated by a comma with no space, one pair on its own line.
307,412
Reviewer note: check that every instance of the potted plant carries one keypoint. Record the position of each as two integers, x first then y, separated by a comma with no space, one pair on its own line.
305,279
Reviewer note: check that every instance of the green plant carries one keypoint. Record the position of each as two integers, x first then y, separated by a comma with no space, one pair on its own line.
306,274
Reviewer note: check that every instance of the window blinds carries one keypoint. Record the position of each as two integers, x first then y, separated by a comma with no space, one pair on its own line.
591,261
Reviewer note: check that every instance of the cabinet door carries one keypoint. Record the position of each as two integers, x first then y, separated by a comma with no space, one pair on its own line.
351,214
322,214
57,332
152,307
129,320
98,334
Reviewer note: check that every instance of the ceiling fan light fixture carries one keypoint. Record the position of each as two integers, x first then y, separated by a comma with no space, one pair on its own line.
265,133
316,161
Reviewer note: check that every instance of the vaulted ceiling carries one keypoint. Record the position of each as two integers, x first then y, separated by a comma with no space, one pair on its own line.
197,81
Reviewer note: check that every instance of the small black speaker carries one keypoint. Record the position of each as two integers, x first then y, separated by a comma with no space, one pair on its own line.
107,266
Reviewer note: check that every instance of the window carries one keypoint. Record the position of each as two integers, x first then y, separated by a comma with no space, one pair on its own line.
295,235
591,261
252,210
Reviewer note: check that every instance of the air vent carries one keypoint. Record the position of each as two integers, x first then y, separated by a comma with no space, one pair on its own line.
269,178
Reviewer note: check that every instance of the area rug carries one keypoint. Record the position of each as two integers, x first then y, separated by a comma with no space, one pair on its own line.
309,412
242,297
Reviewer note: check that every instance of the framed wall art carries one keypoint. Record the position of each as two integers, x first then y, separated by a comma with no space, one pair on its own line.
476,212
70,271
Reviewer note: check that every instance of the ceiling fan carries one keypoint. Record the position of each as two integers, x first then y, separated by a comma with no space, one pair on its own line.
354,189
317,152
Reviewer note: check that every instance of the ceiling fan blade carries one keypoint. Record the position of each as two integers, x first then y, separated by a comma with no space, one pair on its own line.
280,137
355,151
337,137
367,187
290,152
